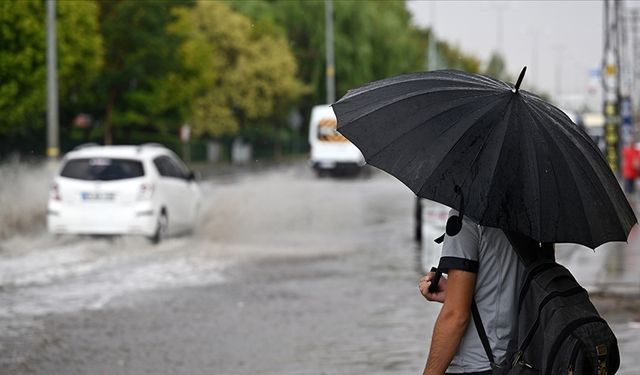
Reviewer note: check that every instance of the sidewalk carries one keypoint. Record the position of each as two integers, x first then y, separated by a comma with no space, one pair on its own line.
618,291
208,171
617,308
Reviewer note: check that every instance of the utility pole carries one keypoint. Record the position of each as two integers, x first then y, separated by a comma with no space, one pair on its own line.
53,149
499,26
559,49
611,86
534,58
623,53
635,54
500,8
432,59
331,71
626,76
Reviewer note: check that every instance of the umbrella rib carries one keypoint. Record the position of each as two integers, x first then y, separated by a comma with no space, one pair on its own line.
493,176
486,140
385,104
448,76
602,179
535,168
484,144
370,157
623,212
554,140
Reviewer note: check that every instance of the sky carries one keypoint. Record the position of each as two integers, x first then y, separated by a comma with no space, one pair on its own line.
560,42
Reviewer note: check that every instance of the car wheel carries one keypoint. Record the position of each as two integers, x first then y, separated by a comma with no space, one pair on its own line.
320,173
161,228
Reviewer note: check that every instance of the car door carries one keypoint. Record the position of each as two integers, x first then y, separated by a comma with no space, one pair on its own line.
188,191
170,187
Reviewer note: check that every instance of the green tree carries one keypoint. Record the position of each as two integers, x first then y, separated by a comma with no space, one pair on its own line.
363,52
372,40
80,61
454,58
23,66
237,72
303,23
139,55
496,67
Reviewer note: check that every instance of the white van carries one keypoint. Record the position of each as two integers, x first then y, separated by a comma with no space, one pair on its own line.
330,150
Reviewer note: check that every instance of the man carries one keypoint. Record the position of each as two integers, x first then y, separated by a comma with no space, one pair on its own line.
481,265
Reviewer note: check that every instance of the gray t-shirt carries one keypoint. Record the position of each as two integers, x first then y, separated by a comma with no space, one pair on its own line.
487,252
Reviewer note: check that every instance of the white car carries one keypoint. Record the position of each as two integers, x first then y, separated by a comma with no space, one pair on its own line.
114,190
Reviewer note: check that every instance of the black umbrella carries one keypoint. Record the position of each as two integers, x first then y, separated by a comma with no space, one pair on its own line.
502,156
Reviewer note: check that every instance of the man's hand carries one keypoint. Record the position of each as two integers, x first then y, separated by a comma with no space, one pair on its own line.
452,321
440,294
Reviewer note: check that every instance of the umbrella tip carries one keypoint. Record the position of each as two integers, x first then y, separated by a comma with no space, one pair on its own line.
515,90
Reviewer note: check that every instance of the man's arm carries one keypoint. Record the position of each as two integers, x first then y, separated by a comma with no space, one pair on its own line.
452,321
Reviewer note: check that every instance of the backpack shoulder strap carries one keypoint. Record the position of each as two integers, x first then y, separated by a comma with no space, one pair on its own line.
529,251
481,332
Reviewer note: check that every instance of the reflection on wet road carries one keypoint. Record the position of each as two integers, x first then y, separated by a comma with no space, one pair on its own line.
287,274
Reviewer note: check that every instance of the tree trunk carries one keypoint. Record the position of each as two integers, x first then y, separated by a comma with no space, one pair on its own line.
108,128
277,142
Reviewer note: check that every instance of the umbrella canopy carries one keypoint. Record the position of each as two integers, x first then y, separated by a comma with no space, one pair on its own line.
503,156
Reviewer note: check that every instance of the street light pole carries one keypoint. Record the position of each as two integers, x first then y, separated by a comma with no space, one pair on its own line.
611,85
634,54
558,78
432,61
331,71
499,9
53,149
534,58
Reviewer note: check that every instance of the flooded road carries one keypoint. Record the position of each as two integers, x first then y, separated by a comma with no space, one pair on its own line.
286,274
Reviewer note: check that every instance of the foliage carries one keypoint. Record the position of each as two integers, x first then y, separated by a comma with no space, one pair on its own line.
80,51
303,24
23,62
456,59
362,53
365,53
139,54
235,67
496,67
22,65
372,40
238,71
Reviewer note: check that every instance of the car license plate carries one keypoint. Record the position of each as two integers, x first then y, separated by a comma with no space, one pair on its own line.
94,196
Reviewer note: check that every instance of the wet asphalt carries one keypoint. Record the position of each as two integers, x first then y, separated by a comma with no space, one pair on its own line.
286,274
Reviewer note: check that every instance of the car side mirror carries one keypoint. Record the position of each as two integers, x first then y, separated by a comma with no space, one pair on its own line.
191,176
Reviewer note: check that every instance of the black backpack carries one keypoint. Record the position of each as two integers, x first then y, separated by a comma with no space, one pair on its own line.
559,330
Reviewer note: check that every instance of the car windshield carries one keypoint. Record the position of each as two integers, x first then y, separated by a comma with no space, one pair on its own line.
102,169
